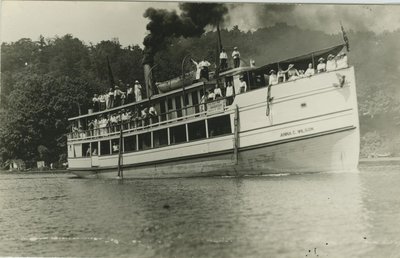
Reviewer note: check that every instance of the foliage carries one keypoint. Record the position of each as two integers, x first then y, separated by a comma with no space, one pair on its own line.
43,81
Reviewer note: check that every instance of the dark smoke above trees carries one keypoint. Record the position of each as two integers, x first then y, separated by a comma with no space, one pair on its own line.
191,22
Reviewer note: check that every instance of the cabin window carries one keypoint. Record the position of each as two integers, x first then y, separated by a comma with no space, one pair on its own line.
130,143
195,101
144,141
94,149
71,152
219,126
104,147
178,105
197,130
160,138
78,150
187,99
178,134
115,146
169,103
163,110
86,149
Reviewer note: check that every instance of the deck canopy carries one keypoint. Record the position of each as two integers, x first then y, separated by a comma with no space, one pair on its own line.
301,62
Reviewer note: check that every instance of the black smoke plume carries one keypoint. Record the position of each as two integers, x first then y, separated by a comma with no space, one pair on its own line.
191,22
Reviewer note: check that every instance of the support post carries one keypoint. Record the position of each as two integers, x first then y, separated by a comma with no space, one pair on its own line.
120,172
236,136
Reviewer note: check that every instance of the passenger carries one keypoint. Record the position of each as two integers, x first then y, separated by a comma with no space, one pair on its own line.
117,96
310,70
115,148
103,125
129,94
281,75
252,63
204,69
210,95
153,114
331,63
229,94
96,127
91,128
94,152
301,74
95,103
110,103
145,116
292,72
102,101
273,78
217,92
198,69
321,67
341,61
125,118
203,101
138,91
223,59
88,152
243,85
236,57
113,123
123,98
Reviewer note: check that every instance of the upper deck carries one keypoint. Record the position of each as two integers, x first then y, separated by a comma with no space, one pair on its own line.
186,103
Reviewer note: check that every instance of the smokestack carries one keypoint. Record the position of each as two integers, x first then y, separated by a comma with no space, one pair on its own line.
148,80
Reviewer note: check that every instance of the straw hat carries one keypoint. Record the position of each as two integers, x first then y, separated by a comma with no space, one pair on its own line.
321,59
330,56
136,81
272,71
235,48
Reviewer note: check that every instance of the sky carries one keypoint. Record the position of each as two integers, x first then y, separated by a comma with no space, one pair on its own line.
93,21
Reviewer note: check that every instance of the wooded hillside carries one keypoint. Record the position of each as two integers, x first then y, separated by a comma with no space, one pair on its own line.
44,81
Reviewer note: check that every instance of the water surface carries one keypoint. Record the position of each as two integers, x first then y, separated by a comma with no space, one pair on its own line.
314,215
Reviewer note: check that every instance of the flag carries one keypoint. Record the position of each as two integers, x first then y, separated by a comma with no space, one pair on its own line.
345,38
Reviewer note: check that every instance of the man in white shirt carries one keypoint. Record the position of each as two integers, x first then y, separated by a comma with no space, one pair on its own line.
236,57
198,69
217,92
243,85
310,70
341,62
138,91
273,78
223,59
321,67
229,93
331,63
204,69
95,103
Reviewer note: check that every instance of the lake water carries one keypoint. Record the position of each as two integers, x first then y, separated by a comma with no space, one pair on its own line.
315,215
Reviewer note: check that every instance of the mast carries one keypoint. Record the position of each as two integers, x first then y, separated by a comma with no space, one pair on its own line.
110,74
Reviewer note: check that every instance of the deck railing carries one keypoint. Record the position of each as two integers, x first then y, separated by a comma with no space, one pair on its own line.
139,123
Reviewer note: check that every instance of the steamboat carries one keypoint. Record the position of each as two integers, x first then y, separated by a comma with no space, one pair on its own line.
303,124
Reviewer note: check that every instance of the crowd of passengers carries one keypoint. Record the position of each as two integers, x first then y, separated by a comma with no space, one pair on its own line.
116,97
108,123
332,63
138,116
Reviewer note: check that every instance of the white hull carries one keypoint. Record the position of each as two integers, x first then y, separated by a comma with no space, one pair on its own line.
313,127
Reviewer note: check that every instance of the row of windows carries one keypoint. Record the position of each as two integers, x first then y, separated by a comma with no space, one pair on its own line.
178,134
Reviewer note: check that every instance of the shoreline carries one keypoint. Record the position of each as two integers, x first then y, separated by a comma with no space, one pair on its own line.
383,159
36,171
